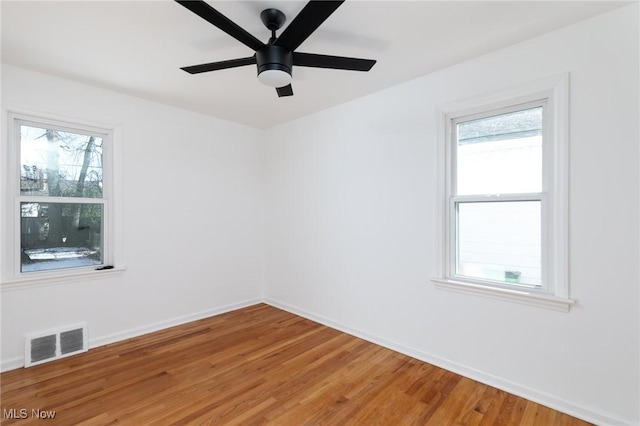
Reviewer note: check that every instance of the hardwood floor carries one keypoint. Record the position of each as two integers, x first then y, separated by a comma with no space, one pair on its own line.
257,365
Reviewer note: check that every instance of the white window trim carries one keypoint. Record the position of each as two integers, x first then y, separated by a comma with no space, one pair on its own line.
12,278
555,89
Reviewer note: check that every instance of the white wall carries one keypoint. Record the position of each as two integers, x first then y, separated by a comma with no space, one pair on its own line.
192,203
350,226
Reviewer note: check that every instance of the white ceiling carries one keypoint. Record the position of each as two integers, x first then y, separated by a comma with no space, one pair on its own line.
137,47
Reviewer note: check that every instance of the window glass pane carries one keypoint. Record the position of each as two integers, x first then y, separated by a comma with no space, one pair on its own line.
59,164
500,241
60,235
501,154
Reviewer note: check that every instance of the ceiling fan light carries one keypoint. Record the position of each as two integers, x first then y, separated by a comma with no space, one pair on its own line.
274,78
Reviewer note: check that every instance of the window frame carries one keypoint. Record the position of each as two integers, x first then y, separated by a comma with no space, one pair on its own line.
552,94
12,276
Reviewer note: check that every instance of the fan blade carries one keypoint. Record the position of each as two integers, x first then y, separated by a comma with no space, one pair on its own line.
211,15
285,91
334,62
307,21
214,66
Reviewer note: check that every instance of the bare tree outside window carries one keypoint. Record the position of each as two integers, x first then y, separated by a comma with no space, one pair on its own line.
61,188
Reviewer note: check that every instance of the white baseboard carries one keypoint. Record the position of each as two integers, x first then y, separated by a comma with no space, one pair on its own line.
161,325
544,398
95,342
12,364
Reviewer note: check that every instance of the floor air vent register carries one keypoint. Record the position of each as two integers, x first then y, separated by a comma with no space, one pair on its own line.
55,344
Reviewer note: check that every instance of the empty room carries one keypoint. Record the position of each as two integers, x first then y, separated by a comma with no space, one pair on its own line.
327,212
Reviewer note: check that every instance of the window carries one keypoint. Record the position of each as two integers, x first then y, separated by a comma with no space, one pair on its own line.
503,196
496,196
61,193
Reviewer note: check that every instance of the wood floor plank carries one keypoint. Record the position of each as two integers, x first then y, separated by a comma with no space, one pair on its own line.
256,366
490,404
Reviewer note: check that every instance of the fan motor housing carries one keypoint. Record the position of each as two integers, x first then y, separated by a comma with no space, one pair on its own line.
274,57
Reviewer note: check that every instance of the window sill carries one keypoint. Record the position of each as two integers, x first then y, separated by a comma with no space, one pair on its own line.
23,283
515,295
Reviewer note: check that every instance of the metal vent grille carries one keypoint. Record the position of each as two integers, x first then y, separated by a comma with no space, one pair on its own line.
71,341
43,348
55,344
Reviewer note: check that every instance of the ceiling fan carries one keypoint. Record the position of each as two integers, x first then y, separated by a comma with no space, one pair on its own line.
276,58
